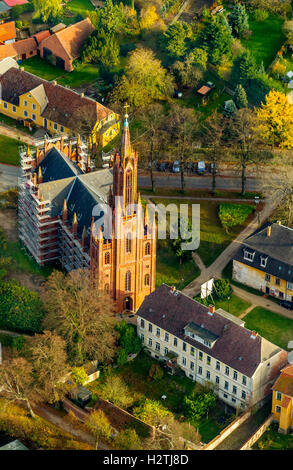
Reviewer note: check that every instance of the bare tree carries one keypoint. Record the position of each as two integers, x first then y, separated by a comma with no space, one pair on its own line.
82,315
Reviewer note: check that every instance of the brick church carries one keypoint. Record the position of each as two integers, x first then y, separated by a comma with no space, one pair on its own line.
59,193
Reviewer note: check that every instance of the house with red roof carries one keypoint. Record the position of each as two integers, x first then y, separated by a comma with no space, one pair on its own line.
282,404
7,32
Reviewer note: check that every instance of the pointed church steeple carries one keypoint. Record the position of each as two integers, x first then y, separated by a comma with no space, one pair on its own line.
126,149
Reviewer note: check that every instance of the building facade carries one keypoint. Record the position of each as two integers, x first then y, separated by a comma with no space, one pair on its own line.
282,403
59,110
209,346
265,261
61,200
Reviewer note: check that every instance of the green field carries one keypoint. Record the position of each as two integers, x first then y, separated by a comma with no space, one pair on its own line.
270,325
9,150
266,39
23,262
235,305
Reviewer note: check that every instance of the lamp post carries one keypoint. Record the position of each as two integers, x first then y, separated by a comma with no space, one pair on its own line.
229,304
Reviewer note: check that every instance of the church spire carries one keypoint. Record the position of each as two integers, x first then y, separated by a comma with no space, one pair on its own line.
125,144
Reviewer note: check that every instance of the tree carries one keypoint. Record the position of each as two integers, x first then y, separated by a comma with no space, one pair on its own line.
222,289
230,109
238,19
20,308
109,17
149,142
212,134
176,245
81,314
196,405
17,383
127,440
116,391
156,372
187,73
181,127
216,38
99,426
47,10
151,412
101,47
49,358
247,146
148,17
231,215
176,38
276,120
79,375
128,339
145,80
240,97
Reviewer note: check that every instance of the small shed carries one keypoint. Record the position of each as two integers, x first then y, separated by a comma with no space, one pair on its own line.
81,395
204,90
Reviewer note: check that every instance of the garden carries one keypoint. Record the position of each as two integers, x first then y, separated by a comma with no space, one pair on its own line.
273,440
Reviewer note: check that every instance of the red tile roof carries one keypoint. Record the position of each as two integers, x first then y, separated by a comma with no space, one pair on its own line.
284,383
25,46
204,90
69,41
7,31
42,35
12,3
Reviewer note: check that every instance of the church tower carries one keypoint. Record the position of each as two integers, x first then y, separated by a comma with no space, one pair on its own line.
125,265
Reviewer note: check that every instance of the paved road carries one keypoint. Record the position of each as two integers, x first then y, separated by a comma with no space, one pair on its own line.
8,176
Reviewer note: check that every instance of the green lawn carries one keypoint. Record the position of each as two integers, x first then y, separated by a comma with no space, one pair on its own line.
23,262
9,150
235,305
83,74
272,440
270,325
266,39
227,194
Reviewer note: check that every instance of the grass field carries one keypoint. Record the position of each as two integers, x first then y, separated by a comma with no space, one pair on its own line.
270,325
9,150
266,39
272,440
235,305
23,262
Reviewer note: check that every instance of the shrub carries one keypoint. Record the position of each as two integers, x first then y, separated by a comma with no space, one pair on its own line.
260,15
196,405
231,215
222,289
79,375
20,308
156,372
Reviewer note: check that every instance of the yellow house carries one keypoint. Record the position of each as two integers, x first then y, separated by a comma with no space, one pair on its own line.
282,405
265,262
59,110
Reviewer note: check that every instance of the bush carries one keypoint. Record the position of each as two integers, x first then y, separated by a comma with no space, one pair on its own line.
231,215
222,289
196,405
156,372
20,308
260,15
79,375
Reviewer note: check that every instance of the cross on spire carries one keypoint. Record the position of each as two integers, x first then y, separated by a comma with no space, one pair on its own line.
126,106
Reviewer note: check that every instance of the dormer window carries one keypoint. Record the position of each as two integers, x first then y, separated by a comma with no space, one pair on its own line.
263,261
249,255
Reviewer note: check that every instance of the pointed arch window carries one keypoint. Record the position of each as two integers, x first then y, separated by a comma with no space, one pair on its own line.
147,249
107,257
128,188
107,288
147,280
128,281
128,244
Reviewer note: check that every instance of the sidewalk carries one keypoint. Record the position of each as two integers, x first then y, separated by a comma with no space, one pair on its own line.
16,134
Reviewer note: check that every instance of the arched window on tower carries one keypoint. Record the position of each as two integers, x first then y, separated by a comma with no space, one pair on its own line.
128,281
147,280
107,257
128,244
106,289
128,188
147,249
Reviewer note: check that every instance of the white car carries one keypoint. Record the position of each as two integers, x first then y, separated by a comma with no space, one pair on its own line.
176,166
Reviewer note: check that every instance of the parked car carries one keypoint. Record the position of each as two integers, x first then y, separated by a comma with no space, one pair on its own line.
163,166
201,168
176,166
189,167
286,304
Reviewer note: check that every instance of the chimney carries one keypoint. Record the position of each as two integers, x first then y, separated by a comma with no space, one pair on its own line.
173,288
54,82
278,222
211,309
269,230
253,334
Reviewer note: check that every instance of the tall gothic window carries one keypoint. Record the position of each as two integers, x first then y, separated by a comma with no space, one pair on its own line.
128,188
107,258
128,281
147,280
147,249
128,244
107,289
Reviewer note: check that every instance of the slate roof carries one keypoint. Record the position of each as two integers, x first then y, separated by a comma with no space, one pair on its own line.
64,105
284,383
235,345
278,248
69,41
55,166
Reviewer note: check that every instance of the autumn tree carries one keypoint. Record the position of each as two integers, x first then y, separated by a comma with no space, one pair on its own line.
276,120
151,412
148,17
49,359
181,127
17,382
116,391
145,80
81,314
99,426
190,71
127,439
47,10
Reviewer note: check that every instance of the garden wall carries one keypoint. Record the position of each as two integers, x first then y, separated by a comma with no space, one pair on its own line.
227,431
255,437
